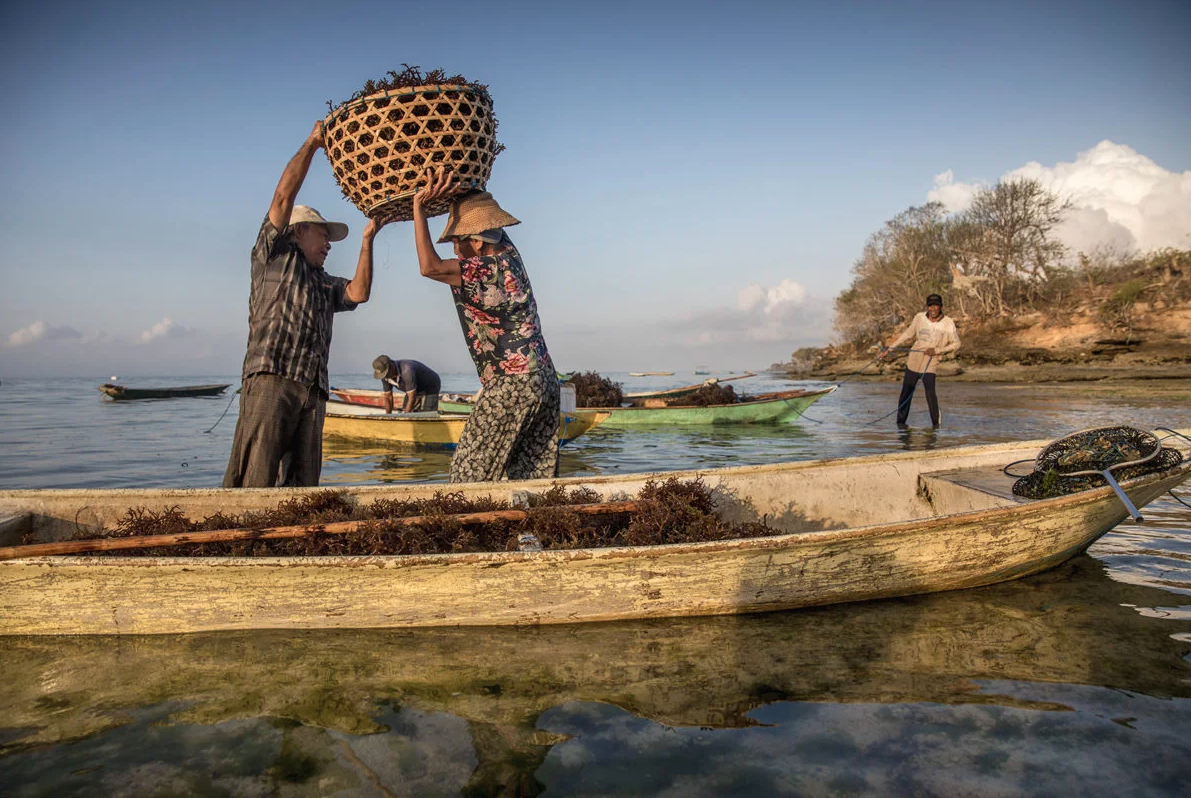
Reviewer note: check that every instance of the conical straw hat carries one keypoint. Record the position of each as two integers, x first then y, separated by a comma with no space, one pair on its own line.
473,214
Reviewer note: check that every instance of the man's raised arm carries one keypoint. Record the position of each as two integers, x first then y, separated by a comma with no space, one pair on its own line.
293,176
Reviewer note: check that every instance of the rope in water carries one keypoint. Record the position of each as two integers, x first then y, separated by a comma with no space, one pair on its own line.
224,413
856,373
1173,434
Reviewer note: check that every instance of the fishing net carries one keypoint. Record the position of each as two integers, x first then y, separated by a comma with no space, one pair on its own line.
1076,462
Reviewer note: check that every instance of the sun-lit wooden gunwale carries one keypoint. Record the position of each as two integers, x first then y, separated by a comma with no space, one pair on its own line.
850,529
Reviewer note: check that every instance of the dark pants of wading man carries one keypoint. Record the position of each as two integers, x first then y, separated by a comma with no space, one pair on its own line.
909,382
513,431
281,421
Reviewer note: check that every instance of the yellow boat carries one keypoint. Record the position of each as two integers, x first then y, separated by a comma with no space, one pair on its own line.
442,430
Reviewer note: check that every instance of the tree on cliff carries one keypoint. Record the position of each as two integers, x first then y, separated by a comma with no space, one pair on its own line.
901,263
1002,251
1009,239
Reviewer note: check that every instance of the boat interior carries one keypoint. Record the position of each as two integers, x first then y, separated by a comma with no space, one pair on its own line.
792,497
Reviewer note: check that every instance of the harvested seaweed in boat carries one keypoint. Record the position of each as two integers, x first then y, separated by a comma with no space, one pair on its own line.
670,511
593,390
709,393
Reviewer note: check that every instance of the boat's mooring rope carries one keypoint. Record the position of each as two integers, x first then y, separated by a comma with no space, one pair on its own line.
1173,434
909,398
235,393
865,366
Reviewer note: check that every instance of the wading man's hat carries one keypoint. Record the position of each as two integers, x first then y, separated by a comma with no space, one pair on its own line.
475,214
381,366
336,231
934,299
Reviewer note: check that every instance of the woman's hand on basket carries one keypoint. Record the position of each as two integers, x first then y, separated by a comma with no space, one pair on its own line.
442,184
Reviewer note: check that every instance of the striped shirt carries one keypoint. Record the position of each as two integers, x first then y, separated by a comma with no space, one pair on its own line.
290,310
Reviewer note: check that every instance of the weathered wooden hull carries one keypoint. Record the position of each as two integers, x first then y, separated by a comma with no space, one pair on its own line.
119,392
772,409
854,529
441,431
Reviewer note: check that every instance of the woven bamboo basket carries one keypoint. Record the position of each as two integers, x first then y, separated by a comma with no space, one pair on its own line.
380,146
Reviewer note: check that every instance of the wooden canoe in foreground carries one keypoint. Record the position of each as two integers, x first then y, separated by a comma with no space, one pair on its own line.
121,392
850,529
428,430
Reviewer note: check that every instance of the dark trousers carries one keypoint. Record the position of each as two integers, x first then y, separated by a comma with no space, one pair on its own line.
909,382
280,420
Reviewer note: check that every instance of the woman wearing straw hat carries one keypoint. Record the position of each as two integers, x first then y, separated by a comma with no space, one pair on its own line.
513,431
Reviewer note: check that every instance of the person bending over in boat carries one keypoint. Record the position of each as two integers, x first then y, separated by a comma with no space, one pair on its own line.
934,335
513,431
291,306
419,382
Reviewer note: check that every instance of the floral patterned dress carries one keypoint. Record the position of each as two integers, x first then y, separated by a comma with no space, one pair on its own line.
499,315
513,431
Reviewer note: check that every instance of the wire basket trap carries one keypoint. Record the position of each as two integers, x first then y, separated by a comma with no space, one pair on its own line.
380,146
1087,459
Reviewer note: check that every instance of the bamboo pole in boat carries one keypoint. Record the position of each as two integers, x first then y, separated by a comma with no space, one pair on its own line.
285,532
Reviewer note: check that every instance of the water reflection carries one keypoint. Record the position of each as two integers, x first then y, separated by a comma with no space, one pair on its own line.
494,709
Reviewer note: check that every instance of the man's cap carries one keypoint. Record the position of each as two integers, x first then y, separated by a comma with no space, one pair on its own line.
475,215
381,366
934,299
336,231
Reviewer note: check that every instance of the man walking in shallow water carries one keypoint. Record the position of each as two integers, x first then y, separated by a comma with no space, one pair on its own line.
934,335
291,307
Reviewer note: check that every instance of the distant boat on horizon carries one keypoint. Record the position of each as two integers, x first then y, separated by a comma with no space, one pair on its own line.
651,373
120,392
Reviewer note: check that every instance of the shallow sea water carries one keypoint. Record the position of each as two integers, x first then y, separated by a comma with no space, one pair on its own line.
1075,681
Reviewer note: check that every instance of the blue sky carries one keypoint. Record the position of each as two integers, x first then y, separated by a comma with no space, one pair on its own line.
694,180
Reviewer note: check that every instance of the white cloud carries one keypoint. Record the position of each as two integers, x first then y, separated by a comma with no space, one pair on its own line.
770,300
166,328
1120,198
41,331
954,196
762,314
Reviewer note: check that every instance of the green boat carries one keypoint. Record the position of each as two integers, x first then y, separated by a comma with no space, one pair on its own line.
767,408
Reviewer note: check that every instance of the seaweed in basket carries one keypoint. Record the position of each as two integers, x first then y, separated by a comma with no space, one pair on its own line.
408,78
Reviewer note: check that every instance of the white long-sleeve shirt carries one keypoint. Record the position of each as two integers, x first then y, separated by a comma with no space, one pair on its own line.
940,335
